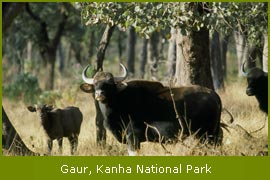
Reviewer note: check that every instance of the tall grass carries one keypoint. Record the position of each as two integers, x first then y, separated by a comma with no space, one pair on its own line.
243,108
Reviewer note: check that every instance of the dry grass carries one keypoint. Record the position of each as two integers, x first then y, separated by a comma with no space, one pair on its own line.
243,108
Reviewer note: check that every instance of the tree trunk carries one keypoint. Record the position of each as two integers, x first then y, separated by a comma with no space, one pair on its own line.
120,46
47,46
171,54
193,59
11,141
241,50
61,58
20,61
103,44
224,48
131,51
100,130
49,79
143,59
153,56
10,11
77,51
265,53
29,58
216,62
92,45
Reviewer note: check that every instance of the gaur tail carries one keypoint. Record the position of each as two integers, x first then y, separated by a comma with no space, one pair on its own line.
238,128
225,124
231,116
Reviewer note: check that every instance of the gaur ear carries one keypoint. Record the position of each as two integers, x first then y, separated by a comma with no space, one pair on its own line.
88,88
31,109
49,107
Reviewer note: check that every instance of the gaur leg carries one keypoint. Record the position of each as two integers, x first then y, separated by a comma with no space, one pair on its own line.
219,138
60,144
73,139
132,141
50,145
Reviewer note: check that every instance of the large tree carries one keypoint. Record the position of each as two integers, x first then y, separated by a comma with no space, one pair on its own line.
11,140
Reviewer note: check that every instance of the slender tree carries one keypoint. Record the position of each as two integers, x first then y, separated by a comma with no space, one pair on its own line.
143,58
103,44
47,45
224,48
153,54
171,54
265,53
216,62
131,42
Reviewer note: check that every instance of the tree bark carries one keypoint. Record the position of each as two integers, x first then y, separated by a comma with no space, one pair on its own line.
153,55
171,54
216,62
92,44
61,58
120,46
265,53
224,48
241,50
143,58
10,11
76,47
131,51
48,47
193,59
104,42
11,141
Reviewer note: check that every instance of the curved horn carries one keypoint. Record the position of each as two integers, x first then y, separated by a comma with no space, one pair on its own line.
86,79
243,69
124,76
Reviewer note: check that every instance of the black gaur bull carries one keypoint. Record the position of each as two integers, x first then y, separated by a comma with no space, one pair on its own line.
138,111
59,123
257,85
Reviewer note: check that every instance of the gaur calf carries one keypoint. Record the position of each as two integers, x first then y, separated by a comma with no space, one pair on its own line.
59,123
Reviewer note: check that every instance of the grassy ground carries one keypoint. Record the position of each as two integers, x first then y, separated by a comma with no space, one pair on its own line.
235,143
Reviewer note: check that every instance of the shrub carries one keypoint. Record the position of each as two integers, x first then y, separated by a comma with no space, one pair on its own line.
25,88
49,97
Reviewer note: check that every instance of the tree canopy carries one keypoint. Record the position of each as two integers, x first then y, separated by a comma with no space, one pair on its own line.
151,16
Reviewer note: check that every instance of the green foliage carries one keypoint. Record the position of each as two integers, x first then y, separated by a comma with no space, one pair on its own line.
49,97
250,19
25,87
147,17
